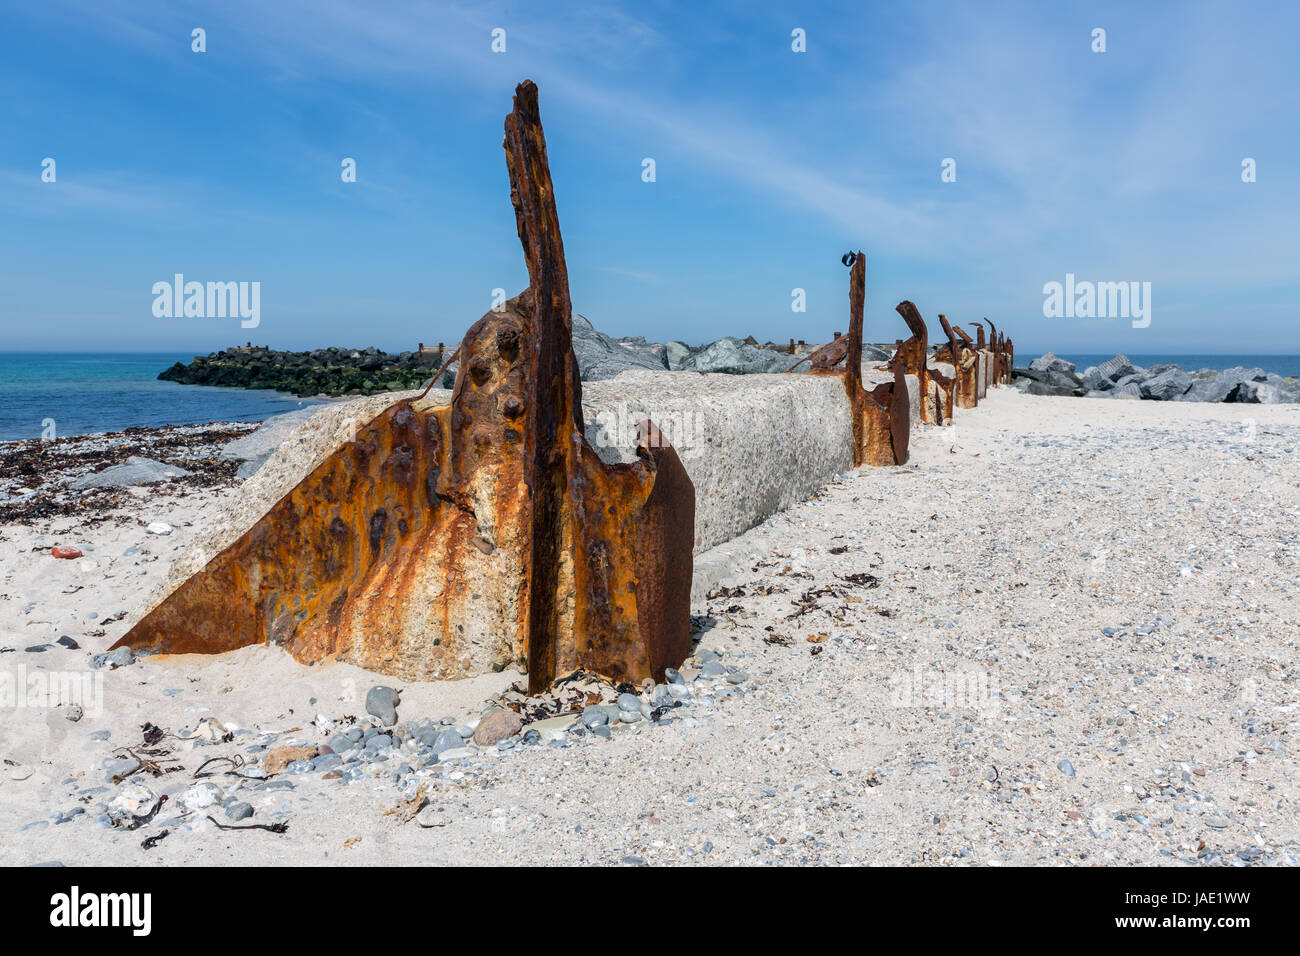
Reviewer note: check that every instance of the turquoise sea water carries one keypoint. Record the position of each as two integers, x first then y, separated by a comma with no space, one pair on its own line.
107,392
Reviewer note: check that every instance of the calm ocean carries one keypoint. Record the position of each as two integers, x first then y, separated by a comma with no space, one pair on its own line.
107,392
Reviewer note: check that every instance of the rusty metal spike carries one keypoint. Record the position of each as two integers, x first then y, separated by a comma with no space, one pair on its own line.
446,540
881,417
965,364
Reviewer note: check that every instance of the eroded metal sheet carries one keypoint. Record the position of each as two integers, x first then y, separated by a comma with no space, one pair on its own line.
444,541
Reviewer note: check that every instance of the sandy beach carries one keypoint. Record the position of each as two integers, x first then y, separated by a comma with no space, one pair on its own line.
1065,633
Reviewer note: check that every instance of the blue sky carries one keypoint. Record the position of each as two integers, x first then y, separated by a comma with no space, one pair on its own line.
1122,166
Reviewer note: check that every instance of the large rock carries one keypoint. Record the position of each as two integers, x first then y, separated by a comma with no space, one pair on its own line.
1094,379
1168,383
1116,368
732,356
1033,381
676,354
1050,363
1250,385
134,471
601,357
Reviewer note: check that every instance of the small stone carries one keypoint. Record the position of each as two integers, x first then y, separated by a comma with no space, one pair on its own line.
497,726
430,817
67,553
159,527
629,702
133,802
1066,768
712,669
68,642
532,737
113,659
278,759
382,702
200,797
457,753
673,676
239,811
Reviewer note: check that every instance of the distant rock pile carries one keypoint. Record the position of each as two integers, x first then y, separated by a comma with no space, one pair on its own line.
331,371
338,371
1120,378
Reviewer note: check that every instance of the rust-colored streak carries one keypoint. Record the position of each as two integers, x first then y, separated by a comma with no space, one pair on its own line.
446,540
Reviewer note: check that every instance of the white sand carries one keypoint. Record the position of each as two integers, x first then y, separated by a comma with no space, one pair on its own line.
1001,553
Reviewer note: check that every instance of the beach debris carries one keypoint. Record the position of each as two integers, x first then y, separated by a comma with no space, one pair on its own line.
159,527
374,557
34,474
281,827
148,843
65,551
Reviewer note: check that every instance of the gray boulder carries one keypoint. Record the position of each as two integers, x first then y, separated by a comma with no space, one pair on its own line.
654,351
1116,368
134,471
1263,393
732,356
601,357
676,354
1165,385
1096,380
1050,363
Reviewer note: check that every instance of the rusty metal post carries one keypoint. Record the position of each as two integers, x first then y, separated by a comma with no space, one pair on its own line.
881,417
446,540
935,387
964,361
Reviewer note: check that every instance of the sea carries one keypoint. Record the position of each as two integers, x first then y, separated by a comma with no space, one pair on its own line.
61,394
70,393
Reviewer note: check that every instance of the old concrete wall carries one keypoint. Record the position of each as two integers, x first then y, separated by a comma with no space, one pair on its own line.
752,444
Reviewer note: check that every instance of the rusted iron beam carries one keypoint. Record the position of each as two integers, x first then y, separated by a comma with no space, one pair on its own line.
959,351
936,388
446,540
881,416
